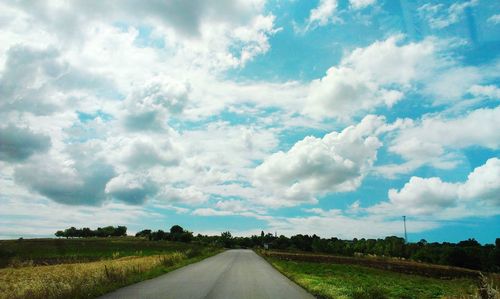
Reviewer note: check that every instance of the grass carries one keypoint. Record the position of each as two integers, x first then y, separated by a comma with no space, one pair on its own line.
57,251
351,281
88,279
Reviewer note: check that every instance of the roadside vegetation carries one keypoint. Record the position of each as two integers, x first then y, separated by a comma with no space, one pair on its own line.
84,263
86,267
327,280
88,280
468,254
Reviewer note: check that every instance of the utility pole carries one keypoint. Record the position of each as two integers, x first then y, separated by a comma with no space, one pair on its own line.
404,223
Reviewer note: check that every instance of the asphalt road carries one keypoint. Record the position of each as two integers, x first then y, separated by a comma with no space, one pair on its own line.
232,274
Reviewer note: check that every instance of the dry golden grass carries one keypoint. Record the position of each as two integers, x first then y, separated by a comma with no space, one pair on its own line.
76,280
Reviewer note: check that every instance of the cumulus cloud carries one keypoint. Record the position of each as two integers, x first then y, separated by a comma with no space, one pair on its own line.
18,144
149,106
423,196
40,80
140,152
478,195
385,72
185,18
335,163
430,140
190,195
77,182
131,188
483,184
367,77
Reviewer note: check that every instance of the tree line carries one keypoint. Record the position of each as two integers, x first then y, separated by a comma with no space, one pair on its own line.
107,231
176,233
468,253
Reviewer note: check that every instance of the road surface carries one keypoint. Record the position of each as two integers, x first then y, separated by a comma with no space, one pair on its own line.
235,274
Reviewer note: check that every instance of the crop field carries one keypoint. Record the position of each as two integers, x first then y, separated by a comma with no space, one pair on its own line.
395,265
58,251
86,268
351,281
334,279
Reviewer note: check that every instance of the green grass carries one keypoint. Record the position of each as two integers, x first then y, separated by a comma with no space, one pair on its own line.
350,281
56,251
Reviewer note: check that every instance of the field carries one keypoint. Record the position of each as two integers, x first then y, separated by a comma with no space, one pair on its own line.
384,263
343,280
86,268
57,251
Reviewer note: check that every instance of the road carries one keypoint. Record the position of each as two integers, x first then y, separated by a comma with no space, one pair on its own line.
237,273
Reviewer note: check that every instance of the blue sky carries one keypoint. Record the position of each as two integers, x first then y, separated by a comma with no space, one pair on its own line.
334,117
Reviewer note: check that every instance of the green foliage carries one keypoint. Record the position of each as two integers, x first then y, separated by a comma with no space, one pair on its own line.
108,231
349,281
55,251
176,233
468,254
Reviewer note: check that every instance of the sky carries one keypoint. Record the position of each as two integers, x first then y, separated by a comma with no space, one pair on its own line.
330,117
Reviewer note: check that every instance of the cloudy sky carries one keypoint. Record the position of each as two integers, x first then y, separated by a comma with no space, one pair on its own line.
333,117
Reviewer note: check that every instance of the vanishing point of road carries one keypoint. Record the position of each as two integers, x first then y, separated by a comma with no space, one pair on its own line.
235,274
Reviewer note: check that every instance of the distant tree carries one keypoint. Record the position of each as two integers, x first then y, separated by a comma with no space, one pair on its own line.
176,229
59,234
469,243
120,231
226,239
146,233
70,232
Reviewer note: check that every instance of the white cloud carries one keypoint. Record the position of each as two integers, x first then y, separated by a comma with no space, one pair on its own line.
483,184
130,188
487,91
370,77
360,4
148,106
337,162
189,195
424,196
494,19
439,17
345,227
479,195
324,13
72,182
430,140
211,212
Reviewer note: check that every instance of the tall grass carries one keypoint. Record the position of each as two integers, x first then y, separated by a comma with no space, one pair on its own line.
82,280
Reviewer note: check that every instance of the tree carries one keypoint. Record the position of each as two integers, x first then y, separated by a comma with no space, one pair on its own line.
120,231
59,233
176,229
144,233
227,239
